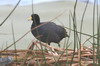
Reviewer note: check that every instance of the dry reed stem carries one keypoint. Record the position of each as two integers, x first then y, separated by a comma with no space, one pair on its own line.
86,56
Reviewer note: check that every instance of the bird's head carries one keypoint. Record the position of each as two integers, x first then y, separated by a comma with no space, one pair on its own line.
34,18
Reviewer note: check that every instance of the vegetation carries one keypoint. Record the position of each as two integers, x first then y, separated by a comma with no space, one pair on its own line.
80,55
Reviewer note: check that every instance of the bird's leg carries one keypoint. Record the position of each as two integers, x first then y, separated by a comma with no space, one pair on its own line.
48,43
52,52
31,46
59,45
38,44
46,48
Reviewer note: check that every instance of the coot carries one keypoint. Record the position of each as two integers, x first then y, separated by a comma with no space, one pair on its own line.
49,32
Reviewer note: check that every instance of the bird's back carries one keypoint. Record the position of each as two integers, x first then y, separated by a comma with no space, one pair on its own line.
50,32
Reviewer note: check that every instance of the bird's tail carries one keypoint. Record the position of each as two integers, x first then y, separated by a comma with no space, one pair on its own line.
67,35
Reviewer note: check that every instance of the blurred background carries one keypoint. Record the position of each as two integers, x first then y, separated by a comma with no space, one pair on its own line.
28,2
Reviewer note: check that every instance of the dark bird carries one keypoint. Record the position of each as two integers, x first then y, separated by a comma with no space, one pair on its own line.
49,32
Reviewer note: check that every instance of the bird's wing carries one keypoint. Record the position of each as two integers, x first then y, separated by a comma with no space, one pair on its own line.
47,31
52,27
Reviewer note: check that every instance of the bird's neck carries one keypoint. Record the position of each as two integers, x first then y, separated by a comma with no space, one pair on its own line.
36,21
34,24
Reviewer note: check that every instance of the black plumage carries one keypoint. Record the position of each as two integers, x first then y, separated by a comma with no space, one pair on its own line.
49,32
